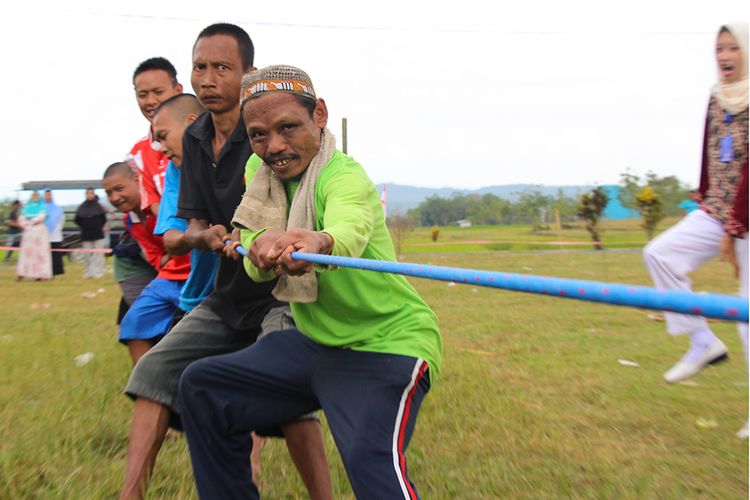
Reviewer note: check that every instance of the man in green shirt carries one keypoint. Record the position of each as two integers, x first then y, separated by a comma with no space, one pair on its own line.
366,346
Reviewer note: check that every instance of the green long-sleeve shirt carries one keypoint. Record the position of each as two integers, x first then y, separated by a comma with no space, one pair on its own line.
356,309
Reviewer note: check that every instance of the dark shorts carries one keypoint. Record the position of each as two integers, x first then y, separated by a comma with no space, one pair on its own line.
132,287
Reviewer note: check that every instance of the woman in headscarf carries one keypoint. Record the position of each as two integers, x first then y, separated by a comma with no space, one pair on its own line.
91,218
719,228
34,259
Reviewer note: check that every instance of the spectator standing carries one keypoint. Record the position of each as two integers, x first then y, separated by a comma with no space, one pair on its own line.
91,218
54,221
34,260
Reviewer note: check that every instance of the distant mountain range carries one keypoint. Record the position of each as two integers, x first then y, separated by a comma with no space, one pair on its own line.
400,198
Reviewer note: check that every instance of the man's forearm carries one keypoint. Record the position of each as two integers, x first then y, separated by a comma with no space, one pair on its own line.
196,239
204,236
326,242
194,235
175,242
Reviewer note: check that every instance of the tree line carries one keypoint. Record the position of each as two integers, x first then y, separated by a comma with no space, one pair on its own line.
532,207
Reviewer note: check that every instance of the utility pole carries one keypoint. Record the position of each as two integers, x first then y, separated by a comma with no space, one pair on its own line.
343,135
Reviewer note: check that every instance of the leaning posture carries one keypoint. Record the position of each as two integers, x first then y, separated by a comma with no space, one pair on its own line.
366,346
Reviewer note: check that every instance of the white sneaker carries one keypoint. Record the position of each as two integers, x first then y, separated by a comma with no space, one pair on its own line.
742,433
712,353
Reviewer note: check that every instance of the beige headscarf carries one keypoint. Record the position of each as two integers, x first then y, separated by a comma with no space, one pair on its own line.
733,97
264,204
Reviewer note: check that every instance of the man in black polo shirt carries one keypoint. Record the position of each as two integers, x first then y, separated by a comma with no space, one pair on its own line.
215,150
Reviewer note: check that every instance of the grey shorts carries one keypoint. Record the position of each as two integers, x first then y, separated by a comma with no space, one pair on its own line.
199,334
132,287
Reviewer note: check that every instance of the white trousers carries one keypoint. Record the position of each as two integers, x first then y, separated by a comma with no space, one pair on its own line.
682,249
93,262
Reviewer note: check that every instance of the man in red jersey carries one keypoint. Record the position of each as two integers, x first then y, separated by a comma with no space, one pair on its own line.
155,81
150,315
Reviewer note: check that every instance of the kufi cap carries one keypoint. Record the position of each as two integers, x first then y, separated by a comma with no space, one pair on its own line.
277,78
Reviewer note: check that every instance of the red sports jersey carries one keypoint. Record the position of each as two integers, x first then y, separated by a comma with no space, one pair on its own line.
177,268
152,164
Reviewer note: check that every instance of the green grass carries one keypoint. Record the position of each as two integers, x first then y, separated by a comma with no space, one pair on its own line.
532,402
452,239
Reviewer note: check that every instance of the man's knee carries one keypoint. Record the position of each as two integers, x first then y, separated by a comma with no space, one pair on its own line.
146,368
192,379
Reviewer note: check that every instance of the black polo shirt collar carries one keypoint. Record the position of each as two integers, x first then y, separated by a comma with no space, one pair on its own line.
203,130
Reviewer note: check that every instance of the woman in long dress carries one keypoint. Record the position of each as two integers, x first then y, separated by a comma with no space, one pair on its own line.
34,259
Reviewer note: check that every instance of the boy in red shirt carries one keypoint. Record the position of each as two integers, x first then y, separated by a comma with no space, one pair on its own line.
150,315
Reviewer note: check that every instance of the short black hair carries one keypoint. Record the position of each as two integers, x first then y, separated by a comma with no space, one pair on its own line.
245,45
186,103
156,63
118,168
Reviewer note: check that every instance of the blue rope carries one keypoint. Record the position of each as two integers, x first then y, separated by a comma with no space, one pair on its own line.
710,305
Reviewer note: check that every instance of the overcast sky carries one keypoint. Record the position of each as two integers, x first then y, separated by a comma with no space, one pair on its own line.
459,94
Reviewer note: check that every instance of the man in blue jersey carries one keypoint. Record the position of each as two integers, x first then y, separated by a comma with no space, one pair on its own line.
169,124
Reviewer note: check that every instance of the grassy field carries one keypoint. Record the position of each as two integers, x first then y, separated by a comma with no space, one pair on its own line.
452,239
532,402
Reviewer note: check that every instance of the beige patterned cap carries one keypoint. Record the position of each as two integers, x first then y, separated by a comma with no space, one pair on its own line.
277,78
